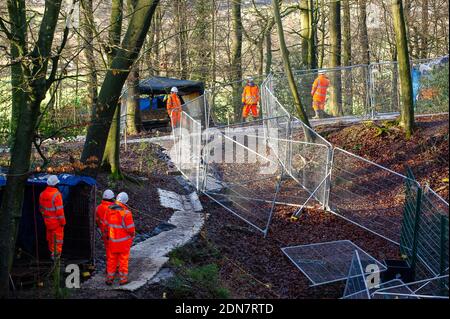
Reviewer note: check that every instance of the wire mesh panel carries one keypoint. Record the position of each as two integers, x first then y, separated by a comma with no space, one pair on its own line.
347,93
328,262
187,147
384,87
433,241
246,177
356,286
436,288
367,194
430,85
197,109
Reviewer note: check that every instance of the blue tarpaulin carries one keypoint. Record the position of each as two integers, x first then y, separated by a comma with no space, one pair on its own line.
64,179
144,104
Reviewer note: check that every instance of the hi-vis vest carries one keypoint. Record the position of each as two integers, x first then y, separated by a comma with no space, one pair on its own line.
250,96
120,228
173,103
51,207
319,89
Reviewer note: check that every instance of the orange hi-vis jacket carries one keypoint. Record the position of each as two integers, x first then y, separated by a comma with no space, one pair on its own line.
52,209
100,215
319,88
120,228
250,95
173,103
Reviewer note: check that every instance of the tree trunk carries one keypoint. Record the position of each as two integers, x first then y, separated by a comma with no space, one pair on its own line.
97,134
309,60
287,65
335,58
111,156
268,39
407,111
364,45
309,54
236,58
424,31
88,27
363,35
180,13
347,57
133,117
115,29
25,106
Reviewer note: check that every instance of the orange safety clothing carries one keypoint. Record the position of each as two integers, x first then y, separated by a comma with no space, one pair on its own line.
319,89
120,232
173,105
253,108
100,218
250,95
52,209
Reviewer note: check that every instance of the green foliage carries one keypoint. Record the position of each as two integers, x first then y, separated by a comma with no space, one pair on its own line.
202,281
194,280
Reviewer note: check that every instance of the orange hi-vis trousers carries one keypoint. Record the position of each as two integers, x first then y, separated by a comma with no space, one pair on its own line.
55,234
253,108
117,262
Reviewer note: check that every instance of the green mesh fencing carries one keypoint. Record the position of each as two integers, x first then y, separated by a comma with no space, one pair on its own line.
424,242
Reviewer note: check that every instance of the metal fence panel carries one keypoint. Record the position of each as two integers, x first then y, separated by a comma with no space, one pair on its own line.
187,147
356,286
328,262
367,194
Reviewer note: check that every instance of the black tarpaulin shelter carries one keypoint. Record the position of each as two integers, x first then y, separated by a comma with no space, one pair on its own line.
79,205
162,85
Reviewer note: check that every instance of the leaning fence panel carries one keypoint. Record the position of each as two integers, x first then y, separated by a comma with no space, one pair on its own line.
187,147
356,286
241,176
430,288
367,194
328,262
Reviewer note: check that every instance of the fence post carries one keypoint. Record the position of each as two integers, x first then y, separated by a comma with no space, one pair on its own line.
443,250
369,89
327,186
416,234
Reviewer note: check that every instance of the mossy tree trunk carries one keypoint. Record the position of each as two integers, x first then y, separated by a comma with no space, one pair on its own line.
347,57
236,57
111,156
404,68
115,78
287,64
30,81
335,58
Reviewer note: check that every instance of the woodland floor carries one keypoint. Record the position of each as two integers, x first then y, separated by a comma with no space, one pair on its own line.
231,259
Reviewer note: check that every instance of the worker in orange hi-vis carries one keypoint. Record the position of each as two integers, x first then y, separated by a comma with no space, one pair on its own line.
173,105
250,99
52,209
121,231
319,94
100,213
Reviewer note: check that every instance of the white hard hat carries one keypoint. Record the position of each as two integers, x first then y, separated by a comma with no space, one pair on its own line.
108,194
122,197
174,89
52,180
250,79
321,72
